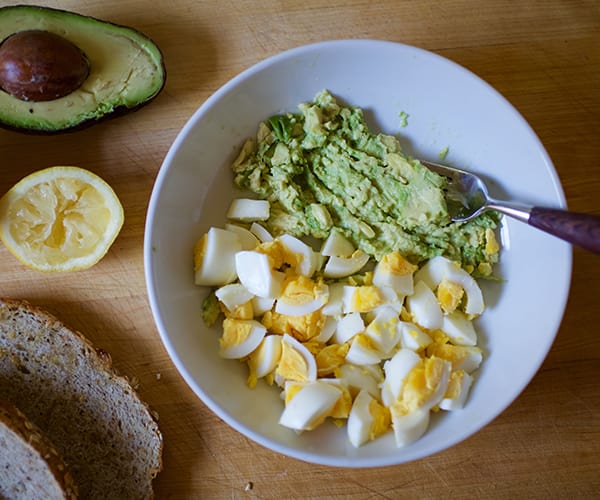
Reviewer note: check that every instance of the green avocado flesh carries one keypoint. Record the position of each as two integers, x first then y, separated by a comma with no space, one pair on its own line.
126,70
322,169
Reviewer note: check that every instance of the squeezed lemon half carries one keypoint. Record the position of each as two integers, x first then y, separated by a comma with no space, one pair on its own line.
60,219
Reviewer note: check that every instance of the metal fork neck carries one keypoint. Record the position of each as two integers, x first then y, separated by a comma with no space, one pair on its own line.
517,210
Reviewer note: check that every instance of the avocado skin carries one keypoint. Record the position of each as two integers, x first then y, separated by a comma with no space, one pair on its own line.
112,110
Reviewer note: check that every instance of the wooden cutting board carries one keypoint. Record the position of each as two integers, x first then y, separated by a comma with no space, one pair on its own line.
543,56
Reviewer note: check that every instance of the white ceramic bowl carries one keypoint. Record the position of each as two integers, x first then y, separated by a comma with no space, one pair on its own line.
447,106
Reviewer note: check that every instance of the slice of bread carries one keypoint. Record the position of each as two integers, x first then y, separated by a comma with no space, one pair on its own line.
69,389
30,466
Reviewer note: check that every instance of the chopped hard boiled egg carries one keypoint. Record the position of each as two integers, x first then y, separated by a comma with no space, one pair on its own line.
424,307
458,389
378,349
412,337
255,273
307,258
361,299
383,330
337,245
300,296
396,370
368,419
247,239
340,267
309,405
439,269
246,209
261,232
408,427
233,295
214,257
296,363
240,337
396,272
264,359
347,327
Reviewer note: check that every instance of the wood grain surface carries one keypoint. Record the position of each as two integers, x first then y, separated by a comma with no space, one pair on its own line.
544,56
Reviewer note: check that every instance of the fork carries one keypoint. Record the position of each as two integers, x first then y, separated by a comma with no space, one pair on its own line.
467,197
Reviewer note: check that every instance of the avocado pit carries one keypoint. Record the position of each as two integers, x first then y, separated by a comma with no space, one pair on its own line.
38,65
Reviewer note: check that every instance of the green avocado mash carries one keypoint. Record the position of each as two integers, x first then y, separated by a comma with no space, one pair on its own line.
322,168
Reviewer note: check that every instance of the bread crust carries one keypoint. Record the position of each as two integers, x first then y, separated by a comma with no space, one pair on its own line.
71,391
32,436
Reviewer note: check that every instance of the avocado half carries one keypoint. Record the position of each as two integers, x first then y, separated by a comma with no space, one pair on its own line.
126,71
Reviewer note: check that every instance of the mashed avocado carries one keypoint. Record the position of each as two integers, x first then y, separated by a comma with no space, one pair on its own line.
322,168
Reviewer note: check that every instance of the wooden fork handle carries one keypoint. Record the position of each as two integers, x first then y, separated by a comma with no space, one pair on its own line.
579,229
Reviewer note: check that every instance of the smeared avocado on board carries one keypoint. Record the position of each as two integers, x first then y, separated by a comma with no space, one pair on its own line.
60,71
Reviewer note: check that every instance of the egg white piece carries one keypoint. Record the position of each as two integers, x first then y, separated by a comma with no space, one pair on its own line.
309,406
255,273
246,209
233,295
459,329
337,245
340,267
327,331
403,284
470,361
412,337
392,299
360,420
309,259
265,357
218,262
457,401
287,309
363,352
335,301
247,239
261,305
410,427
440,268
396,370
424,307
248,344
360,378
261,232
347,327
383,329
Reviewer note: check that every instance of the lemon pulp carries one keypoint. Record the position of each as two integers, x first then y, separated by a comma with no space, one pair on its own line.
60,219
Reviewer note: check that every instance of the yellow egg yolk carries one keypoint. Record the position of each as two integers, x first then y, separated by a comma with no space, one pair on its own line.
302,328
200,251
298,290
291,389
449,295
235,332
280,256
243,311
395,263
491,244
342,407
420,384
366,298
331,357
456,354
381,419
292,364
456,382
